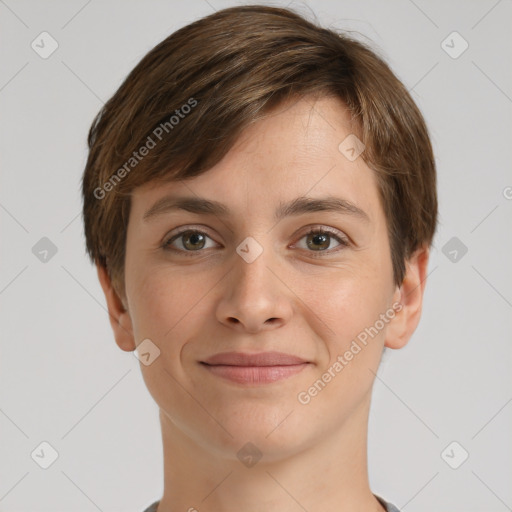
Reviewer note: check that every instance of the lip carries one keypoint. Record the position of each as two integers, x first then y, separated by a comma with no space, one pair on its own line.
259,359
261,368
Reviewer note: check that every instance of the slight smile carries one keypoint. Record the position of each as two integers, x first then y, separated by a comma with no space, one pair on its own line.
262,368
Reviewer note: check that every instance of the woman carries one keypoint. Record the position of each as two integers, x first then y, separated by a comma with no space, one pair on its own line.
260,200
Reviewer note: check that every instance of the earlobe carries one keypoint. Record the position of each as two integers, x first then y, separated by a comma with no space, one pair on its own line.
120,319
410,298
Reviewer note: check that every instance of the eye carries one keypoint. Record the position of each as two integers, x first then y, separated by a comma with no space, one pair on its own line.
319,240
189,240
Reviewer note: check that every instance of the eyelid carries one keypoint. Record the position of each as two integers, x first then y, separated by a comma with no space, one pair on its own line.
174,234
339,236
343,240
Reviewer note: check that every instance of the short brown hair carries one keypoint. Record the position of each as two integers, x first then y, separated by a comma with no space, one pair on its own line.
230,69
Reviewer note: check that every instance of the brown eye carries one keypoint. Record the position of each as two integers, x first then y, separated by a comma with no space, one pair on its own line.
187,241
319,240
193,240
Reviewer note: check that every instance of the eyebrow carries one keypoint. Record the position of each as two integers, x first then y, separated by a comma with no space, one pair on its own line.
298,206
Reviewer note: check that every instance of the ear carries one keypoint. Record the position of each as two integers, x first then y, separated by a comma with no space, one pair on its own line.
410,296
119,316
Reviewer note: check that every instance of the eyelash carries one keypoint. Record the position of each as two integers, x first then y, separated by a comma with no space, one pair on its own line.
344,242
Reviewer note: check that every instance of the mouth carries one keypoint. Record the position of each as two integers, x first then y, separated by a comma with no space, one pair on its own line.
262,368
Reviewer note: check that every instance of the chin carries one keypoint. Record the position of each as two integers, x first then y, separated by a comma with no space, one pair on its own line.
272,432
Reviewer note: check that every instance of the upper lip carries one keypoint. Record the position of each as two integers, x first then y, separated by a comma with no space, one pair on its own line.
260,359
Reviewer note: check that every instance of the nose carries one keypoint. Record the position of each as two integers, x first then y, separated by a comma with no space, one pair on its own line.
255,298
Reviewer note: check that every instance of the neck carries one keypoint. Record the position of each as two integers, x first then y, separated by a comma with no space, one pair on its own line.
329,474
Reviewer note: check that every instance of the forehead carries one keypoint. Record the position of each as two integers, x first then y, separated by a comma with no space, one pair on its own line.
294,151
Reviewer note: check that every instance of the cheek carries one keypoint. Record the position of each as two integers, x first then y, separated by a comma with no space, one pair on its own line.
168,303
165,308
351,306
159,304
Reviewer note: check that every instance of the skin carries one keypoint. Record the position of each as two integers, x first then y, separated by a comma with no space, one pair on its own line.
286,300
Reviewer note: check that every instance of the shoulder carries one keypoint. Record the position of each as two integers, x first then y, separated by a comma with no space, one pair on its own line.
152,507
388,506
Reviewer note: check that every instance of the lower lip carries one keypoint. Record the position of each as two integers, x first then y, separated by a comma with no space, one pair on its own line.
255,374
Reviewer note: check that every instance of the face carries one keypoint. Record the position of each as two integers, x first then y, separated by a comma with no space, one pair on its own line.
275,268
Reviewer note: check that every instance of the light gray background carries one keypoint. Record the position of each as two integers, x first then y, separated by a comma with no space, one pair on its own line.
63,379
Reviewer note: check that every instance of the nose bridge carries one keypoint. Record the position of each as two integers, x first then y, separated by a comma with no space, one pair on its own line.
250,266
254,297
252,261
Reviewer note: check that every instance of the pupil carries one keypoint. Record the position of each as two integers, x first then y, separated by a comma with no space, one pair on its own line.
194,239
319,239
